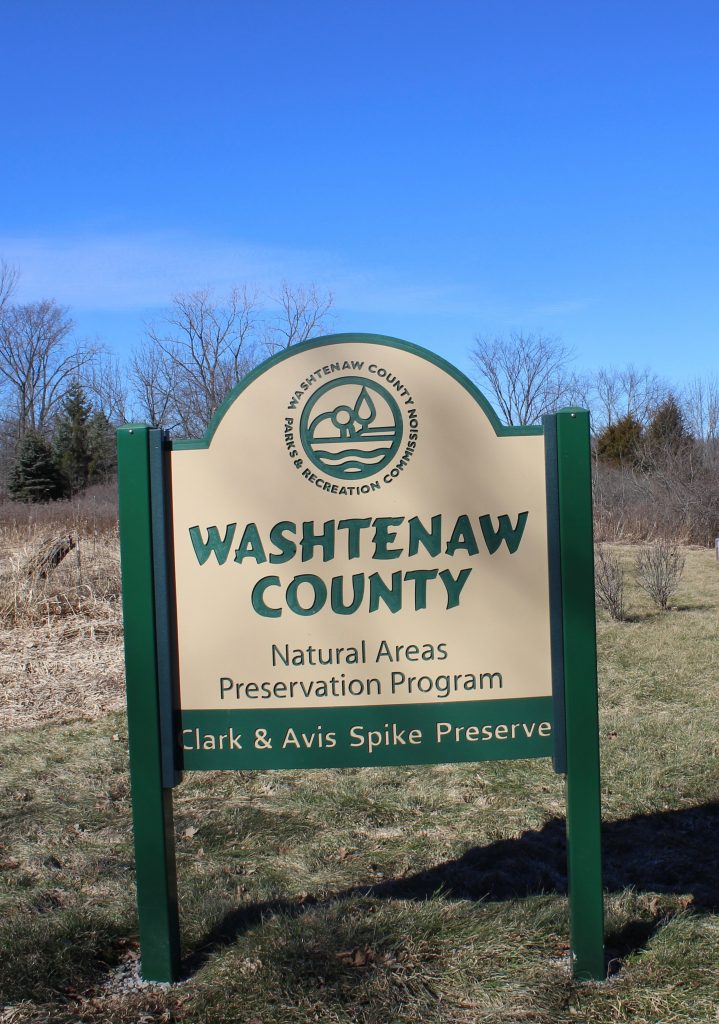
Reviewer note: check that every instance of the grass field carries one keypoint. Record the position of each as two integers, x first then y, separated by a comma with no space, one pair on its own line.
376,896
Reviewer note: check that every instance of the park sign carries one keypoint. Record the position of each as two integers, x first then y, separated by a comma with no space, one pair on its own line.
357,565
361,571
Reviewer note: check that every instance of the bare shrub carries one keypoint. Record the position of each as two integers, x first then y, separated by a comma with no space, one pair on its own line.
609,581
659,567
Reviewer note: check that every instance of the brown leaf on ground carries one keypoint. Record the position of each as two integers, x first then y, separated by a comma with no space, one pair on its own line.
357,957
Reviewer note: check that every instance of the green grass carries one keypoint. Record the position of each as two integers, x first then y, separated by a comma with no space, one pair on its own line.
389,895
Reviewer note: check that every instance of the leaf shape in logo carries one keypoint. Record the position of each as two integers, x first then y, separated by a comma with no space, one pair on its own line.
364,408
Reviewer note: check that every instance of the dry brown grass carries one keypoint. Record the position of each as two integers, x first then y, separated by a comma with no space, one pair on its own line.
93,511
60,637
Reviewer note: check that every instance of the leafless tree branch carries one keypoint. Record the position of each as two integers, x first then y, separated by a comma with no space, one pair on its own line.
9,277
191,359
301,313
525,374
38,362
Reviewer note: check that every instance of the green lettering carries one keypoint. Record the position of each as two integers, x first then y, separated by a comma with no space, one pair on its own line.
324,540
287,547
462,537
258,597
250,546
354,528
336,594
420,577
378,589
454,586
319,590
430,541
213,544
511,535
383,536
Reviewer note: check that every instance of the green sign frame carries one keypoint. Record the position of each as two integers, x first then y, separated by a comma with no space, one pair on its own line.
156,721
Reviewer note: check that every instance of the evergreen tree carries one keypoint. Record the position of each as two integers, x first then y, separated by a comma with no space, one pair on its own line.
72,439
35,475
103,454
667,433
619,442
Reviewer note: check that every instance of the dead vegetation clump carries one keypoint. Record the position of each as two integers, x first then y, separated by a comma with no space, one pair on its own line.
659,569
94,511
45,575
609,581
60,623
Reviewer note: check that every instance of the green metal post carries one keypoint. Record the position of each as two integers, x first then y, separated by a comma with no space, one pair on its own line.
151,803
584,855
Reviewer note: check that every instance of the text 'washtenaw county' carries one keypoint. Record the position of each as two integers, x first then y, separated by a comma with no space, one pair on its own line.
382,538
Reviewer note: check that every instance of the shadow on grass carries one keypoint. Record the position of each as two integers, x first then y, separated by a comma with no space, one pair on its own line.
657,614
665,852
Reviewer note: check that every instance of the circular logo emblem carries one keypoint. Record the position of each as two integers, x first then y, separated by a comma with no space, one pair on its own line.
351,428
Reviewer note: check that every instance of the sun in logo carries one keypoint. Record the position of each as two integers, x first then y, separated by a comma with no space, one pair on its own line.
351,428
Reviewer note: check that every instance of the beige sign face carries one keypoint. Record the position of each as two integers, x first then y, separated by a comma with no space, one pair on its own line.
356,533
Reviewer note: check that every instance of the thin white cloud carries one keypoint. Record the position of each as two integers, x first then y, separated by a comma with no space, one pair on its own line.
134,271
115,272
122,272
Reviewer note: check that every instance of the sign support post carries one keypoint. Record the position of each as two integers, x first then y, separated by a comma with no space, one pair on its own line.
151,802
584,859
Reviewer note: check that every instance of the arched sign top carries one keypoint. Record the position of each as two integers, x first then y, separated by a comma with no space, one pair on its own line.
353,339
356,488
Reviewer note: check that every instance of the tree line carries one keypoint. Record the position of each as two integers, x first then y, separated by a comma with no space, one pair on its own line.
62,398
655,447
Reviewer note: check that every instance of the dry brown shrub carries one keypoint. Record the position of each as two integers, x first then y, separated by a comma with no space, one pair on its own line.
60,636
609,581
659,568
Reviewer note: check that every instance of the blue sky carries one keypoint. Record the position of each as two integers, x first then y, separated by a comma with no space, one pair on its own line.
446,168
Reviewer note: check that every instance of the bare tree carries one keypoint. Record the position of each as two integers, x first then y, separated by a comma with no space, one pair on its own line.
526,374
194,357
301,314
613,394
9,277
700,404
106,383
202,348
643,393
152,374
38,362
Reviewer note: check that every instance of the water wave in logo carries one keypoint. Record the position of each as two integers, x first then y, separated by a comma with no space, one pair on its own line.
351,428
